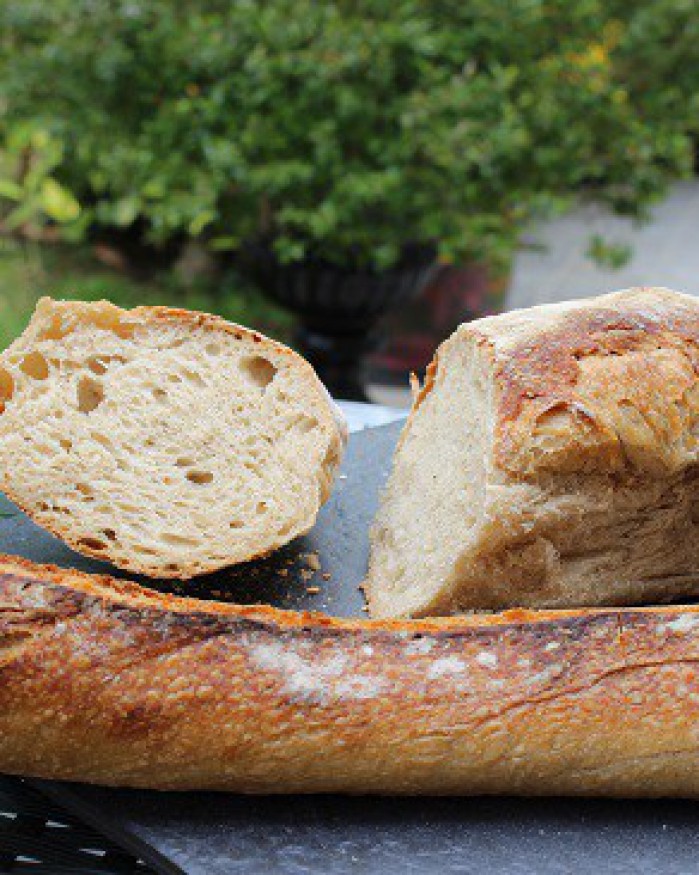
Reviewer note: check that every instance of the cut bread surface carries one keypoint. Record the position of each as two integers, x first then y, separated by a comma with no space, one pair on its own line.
436,491
166,442
549,461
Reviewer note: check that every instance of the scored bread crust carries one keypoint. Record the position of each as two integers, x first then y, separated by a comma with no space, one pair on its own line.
642,346
103,681
59,318
582,469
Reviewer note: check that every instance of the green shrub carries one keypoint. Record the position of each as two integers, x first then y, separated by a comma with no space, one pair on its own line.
29,270
343,130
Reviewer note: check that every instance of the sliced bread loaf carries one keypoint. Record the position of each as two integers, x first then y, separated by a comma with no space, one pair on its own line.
549,460
167,442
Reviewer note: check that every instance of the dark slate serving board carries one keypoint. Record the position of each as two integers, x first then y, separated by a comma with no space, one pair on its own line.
225,834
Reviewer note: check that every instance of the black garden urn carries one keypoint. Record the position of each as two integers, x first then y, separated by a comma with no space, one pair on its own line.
339,309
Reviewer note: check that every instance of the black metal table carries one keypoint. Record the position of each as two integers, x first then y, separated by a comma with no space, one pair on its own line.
39,837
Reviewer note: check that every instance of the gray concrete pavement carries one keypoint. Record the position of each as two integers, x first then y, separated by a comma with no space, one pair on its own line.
665,253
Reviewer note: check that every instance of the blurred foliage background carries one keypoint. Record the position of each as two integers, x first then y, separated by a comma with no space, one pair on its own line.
160,138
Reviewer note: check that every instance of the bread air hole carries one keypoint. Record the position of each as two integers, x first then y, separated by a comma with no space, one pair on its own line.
236,524
178,540
258,371
332,457
193,377
200,477
98,364
554,422
159,394
102,440
7,388
90,395
92,544
304,423
102,315
213,349
34,365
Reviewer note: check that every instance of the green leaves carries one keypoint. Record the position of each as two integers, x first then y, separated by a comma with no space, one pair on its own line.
57,202
11,190
29,160
342,129
125,210
609,254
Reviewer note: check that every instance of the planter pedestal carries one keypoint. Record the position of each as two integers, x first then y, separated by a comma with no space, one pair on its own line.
339,359
338,310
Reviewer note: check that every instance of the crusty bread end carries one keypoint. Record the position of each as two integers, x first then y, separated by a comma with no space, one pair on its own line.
550,460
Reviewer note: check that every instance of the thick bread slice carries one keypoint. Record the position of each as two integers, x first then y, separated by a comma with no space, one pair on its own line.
549,460
167,442
105,682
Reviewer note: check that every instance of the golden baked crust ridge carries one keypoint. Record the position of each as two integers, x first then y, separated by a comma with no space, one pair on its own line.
103,681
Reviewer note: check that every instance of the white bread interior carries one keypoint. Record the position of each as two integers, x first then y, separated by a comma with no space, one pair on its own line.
167,442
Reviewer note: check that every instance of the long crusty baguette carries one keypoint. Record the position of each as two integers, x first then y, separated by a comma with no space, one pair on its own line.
105,682
549,461
168,442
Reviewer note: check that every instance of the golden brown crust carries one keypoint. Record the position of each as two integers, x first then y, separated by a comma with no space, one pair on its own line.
607,387
103,681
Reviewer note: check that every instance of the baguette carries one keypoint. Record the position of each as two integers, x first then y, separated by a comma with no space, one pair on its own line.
103,681
550,460
166,442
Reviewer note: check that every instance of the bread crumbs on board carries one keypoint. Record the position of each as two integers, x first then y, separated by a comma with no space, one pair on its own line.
313,561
